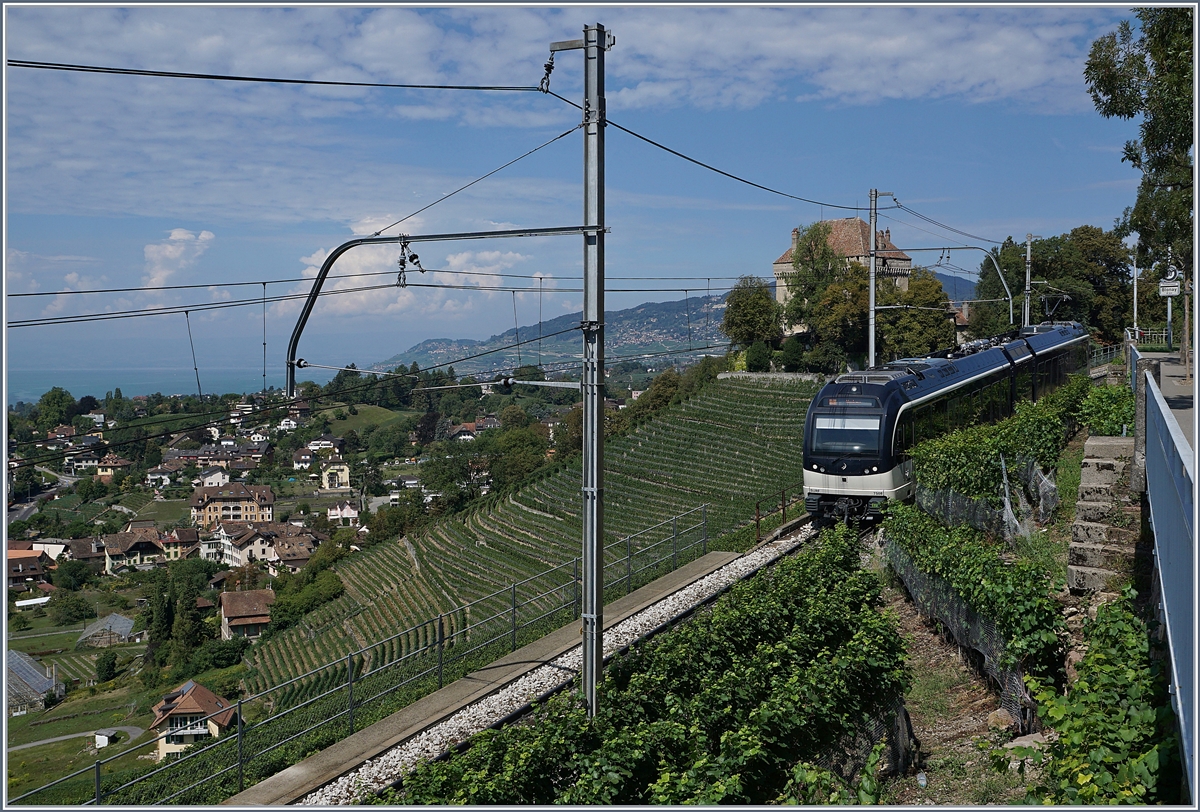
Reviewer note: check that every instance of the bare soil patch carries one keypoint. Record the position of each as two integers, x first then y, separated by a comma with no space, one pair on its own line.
949,705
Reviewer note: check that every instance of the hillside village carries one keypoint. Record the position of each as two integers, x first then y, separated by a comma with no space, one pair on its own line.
242,520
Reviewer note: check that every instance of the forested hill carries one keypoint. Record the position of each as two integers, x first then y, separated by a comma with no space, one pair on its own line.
652,327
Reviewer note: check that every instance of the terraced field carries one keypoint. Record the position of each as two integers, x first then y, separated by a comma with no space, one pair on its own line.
733,444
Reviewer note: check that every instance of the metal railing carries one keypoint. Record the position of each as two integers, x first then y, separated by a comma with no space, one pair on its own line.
1106,355
784,500
1169,478
1150,337
312,711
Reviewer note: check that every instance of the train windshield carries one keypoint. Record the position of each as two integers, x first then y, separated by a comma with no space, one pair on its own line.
846,435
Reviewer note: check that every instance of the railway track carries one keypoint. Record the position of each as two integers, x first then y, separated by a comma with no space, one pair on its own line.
359,766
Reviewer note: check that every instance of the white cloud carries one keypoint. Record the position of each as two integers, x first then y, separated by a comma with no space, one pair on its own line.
167,145
179,251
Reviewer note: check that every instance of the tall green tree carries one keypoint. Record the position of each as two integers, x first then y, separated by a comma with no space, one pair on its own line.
924,328
187,630
814,266
1087,264
55,408
840,317
751,313
1149,73
106,666
162,616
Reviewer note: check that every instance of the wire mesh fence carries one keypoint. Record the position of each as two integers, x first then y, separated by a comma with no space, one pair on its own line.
1029,497
936,599
849,755
282,725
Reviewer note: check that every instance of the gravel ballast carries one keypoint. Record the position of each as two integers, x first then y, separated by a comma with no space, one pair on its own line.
377,774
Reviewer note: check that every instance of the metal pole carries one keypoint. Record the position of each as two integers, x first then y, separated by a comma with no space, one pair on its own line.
1135,276
440,640
596,41
628,564
350,688
704,520
757,518
875,193
1170,331
874,197
674,543
98,796
514,617
1028,268
241,776
306,309
783,505
1187,334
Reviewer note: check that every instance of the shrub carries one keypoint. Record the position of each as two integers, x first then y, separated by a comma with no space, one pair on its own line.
1015,597
1116,740
967,461
758,357
792,355
1107,409
719,710
106,666
66,608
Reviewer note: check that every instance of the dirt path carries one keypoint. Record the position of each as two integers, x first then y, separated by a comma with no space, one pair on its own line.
949,706
133,733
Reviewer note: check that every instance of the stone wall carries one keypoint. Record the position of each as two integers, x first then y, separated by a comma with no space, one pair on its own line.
1107,523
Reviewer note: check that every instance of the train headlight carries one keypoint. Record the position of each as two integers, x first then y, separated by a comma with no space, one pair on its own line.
874,467
814,466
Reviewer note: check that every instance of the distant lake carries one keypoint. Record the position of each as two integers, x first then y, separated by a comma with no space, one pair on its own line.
30,384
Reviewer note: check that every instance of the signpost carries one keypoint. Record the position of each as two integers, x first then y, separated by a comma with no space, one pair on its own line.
1169,288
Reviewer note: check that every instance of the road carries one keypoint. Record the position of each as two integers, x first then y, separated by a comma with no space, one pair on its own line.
11,636
133,732
23,510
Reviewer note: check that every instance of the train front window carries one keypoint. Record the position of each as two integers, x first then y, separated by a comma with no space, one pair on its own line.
846,435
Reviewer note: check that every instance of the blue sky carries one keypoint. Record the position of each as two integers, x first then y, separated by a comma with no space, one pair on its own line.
977,117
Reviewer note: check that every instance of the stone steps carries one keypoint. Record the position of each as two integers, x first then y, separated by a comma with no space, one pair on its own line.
1101,552
1113,558
1088,579
1099,533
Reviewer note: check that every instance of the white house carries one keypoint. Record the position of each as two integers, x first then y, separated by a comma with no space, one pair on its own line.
288,424
214,477
343,514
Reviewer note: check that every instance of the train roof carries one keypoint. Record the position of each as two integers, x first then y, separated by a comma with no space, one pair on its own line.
917,378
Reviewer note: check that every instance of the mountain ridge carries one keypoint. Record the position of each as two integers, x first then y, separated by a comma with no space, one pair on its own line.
683,328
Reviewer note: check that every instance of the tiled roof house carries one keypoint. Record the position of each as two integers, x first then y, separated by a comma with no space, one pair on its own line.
188,714
850,238
245,614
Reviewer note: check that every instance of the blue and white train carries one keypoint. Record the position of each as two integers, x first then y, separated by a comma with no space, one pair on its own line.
861,425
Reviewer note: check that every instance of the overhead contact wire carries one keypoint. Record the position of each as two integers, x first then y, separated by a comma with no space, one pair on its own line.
710,167
477,180
220,77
